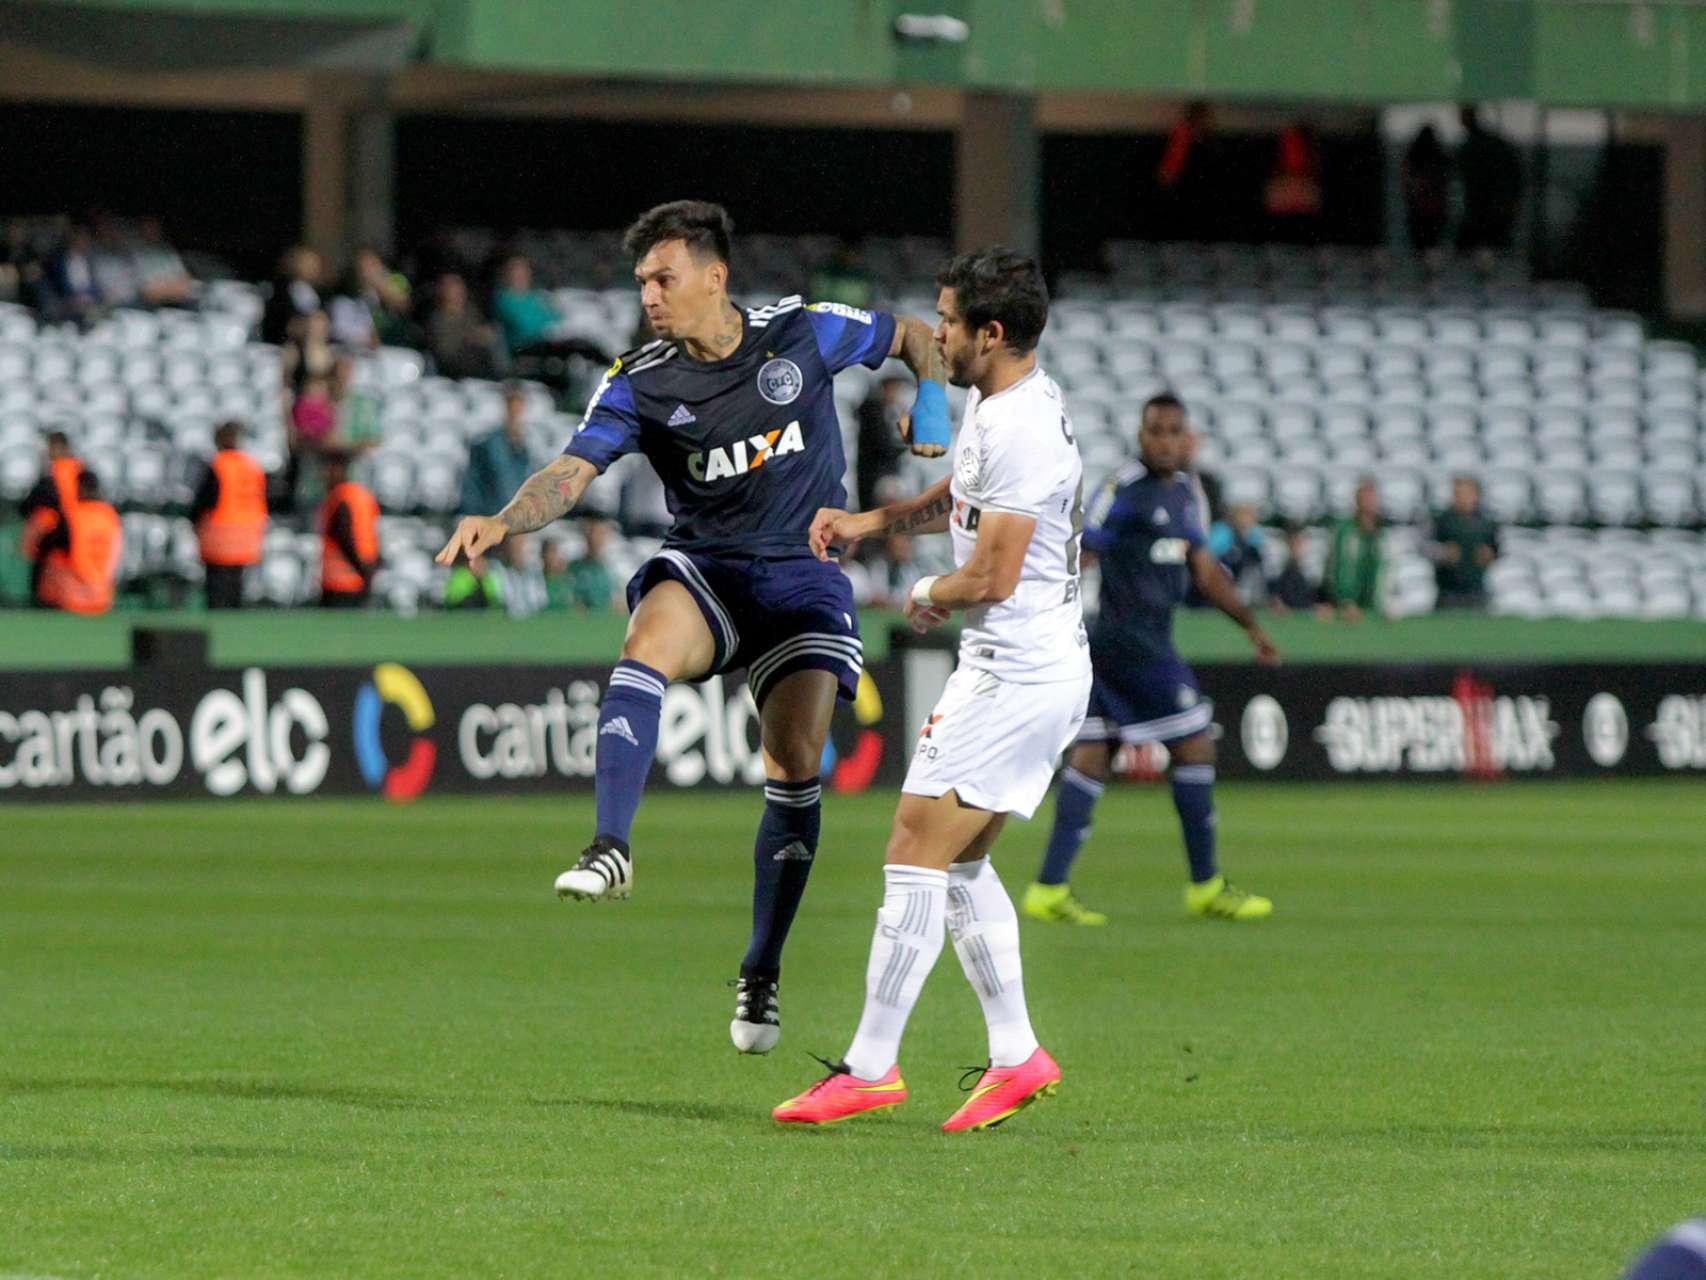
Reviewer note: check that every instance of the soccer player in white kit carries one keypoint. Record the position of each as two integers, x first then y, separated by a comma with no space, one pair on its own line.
1013,504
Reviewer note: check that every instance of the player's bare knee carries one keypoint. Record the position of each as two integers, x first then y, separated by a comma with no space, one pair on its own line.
909,838
1197,749
794,757
1090,759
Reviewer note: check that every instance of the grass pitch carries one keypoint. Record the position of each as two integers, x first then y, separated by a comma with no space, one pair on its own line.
339,1038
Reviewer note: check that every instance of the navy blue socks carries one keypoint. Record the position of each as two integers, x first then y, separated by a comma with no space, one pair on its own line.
781,862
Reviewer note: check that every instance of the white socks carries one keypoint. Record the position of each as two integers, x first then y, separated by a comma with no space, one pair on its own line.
904,948
970,899
985,929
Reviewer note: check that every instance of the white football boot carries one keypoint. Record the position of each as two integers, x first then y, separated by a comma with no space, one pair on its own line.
757,1024
603,873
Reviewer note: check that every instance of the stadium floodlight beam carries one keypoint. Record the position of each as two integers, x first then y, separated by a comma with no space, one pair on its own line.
932,28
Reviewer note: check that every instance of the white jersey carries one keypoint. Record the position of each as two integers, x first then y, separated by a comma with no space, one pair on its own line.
1016,453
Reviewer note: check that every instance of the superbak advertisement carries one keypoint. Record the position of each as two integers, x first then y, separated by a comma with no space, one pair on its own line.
1444,722
391,731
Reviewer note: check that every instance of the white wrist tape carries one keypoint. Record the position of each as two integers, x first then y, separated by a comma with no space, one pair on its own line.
921,592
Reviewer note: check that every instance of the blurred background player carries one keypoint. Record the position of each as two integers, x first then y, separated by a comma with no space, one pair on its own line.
735,411
1013,504
1144,528
229,512
349,536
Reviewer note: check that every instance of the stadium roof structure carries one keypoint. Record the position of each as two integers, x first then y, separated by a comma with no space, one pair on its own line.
1604,53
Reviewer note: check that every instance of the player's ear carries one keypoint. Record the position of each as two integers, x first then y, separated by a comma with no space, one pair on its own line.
718,272
996,333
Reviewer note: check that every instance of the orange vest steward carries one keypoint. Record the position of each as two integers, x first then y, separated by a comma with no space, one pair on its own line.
336,572
41,523
231,532
83,580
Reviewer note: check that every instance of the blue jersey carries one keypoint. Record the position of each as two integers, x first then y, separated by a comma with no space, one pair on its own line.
748,447
1143,528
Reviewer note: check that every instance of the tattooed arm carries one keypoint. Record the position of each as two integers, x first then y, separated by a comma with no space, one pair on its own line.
927,513
915,345
546,495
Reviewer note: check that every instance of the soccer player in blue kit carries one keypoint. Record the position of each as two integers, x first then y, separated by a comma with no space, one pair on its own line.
735,411
1145,528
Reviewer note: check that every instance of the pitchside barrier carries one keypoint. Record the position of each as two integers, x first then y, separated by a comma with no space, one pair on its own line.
174,726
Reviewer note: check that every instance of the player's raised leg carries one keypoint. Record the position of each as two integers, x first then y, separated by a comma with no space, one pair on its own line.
794,722
667,640
1210,894
1080,786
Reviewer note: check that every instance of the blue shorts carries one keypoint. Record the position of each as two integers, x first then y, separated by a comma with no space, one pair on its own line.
771,616
1157,700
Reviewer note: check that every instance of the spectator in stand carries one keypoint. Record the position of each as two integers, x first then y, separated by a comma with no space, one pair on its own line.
13,251
500,461
229,512
1356,560
349,536
1292,590
1427,190
879,448
314,414
1292,196
114,268
295,296
554,568
357,408
586,584
373,306
1185,177
1466,542
72,282
309,353
473,585
531,324
23,267
162,278
843,278
461,343
521,582
1492,186
1237,543
80,557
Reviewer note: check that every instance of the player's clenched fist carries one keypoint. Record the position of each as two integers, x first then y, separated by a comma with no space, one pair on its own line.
474,536
919,449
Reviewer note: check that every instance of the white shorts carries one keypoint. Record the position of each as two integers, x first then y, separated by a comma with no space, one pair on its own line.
995,743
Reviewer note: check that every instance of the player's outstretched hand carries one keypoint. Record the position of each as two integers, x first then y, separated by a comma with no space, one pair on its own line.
474,536
924,617
918,450
1266,654
833,527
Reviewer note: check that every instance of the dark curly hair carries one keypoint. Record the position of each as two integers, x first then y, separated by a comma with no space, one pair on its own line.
705,228
996,284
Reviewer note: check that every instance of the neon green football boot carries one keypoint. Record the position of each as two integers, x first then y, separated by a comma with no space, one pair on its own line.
1220,899
1055,904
